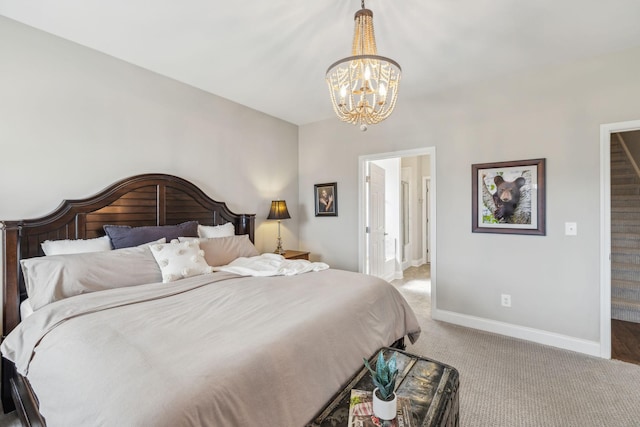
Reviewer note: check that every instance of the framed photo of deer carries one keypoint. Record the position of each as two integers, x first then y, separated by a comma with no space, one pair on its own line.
509,197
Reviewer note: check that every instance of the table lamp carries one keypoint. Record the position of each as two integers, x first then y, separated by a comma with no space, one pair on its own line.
279,211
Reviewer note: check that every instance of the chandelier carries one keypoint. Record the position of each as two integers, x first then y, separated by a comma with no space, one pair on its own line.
364,86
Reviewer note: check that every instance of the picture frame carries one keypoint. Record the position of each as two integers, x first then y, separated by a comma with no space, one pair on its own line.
509,197
326,199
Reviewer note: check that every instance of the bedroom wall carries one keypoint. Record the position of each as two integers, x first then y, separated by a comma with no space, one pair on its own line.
554,113
73,121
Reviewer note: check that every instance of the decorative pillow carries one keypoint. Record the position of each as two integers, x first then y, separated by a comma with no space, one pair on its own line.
180,260
62,247
210,231
222,250
123,236
55,277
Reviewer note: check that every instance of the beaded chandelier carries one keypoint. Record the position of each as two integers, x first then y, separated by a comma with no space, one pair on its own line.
364,86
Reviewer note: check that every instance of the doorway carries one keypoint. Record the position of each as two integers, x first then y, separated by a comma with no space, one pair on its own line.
625,246
405,237
607,255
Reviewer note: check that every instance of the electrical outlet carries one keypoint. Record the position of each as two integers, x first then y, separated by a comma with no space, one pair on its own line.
505,300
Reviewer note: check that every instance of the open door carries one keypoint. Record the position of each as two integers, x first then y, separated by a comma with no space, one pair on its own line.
375,228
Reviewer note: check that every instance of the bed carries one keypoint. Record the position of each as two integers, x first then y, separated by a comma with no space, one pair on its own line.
207,349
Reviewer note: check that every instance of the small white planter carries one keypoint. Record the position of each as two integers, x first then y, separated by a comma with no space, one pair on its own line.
385,410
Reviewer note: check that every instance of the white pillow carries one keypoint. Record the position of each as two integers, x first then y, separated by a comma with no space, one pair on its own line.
80,246
180,260
209,231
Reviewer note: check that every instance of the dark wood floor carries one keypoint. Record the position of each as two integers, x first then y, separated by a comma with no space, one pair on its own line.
625,341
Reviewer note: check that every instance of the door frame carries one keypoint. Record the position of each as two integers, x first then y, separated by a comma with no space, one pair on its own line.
362,176
605,229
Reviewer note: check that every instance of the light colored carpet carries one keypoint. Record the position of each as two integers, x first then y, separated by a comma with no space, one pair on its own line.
506,382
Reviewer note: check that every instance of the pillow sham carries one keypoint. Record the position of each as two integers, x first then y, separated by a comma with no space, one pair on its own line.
178,260
222,250
211,231
124,236
52,278
79,246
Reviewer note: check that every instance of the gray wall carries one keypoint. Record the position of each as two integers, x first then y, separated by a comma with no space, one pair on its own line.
73,121
553,113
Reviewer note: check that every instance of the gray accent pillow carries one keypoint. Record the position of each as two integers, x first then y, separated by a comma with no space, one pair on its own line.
222,250
52,278
124,236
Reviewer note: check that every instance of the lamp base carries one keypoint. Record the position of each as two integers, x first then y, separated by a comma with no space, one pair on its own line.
279,249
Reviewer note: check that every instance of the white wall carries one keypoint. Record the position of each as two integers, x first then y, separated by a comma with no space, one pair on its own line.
73,121
553,113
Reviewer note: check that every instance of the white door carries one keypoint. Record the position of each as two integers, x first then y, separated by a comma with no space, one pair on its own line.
426,247
376,220
407,229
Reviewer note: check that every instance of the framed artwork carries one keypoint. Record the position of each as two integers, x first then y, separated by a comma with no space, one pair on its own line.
326,196
508,197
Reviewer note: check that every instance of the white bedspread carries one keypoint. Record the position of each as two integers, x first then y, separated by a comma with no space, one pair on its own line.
271,265
213,350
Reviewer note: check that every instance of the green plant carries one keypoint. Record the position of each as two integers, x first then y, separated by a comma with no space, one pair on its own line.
384,376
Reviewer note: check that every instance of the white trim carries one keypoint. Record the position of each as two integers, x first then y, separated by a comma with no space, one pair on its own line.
605,230
416,262
591,348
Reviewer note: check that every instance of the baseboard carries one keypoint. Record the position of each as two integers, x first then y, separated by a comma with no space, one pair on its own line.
592,348
418,262
389,277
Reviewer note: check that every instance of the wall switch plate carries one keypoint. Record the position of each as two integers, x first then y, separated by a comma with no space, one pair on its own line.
505,300
570,229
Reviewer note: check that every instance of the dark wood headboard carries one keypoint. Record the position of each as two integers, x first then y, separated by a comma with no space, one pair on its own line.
149,199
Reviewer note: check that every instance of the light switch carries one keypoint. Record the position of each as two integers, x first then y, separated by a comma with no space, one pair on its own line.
570,229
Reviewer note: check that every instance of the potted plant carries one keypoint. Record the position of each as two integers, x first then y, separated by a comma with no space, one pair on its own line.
384,378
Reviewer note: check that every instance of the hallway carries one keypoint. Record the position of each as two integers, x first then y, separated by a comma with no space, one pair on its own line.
416,280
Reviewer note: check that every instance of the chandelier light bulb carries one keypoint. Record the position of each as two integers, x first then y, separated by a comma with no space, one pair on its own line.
367,73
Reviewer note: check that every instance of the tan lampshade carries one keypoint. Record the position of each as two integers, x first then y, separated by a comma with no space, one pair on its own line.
278,210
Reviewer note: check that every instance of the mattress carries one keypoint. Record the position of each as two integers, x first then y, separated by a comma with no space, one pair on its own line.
214,349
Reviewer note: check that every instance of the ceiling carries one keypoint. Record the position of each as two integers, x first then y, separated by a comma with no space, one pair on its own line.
272,55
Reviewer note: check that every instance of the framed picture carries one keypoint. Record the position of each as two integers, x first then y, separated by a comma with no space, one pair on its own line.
508,197
326,199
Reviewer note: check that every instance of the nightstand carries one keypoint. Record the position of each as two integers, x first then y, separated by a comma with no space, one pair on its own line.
289,254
